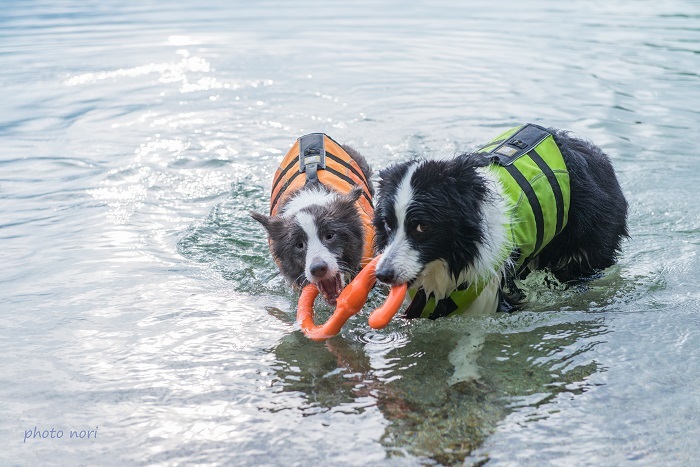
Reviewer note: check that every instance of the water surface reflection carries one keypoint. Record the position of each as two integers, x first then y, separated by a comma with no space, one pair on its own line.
408,378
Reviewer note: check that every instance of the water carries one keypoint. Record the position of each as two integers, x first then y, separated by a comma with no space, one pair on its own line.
139,300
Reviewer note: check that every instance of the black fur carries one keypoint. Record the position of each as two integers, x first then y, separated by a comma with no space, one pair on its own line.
364,166
592,239
449,196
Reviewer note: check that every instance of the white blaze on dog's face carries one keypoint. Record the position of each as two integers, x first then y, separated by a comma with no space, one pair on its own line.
438,224
320,265
400,262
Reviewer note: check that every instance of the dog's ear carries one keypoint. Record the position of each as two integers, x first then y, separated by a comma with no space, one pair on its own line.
262,218
353,195
395,170
275,225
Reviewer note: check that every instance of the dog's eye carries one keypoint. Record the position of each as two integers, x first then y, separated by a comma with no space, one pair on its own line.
330,235
422,227
300,246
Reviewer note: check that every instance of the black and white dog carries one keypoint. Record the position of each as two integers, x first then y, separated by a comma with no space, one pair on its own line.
533,198
320,224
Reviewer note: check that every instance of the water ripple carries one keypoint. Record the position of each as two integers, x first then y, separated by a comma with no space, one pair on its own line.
139,297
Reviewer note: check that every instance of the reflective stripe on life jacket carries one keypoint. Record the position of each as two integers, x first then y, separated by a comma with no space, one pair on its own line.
316,157
535,182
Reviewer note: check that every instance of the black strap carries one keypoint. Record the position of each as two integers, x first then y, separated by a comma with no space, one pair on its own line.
415,308
349,181
311,159
309,168
345,164
284,171
556,189
282,190
536,210
443,308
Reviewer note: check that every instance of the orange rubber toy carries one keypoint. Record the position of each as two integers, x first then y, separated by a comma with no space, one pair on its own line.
349,303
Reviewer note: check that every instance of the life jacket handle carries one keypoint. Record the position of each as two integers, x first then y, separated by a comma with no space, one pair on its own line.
312,156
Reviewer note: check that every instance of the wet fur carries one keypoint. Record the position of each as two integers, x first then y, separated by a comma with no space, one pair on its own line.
331,213
458,201
340,217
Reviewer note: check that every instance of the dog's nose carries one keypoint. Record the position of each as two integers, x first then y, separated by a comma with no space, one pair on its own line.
319,269
386,275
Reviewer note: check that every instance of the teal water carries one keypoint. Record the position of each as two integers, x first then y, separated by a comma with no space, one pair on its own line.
138,300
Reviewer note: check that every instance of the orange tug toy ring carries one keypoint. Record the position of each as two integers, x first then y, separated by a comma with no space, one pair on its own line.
348,304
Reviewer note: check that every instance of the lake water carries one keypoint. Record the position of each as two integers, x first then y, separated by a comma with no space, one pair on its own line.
143,319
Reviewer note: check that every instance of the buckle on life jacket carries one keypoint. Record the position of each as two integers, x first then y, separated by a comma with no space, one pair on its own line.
312,156
524,140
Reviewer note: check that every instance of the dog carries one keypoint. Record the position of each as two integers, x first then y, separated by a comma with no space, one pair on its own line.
320,227
460,232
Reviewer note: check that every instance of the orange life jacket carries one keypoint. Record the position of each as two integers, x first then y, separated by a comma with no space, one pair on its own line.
317,156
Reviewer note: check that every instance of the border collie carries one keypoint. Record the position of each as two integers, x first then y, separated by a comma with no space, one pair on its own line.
320,224
460,231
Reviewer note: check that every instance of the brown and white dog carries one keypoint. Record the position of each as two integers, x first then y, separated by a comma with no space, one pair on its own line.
320,224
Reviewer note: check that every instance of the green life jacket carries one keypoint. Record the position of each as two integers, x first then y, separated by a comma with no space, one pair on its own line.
535,182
